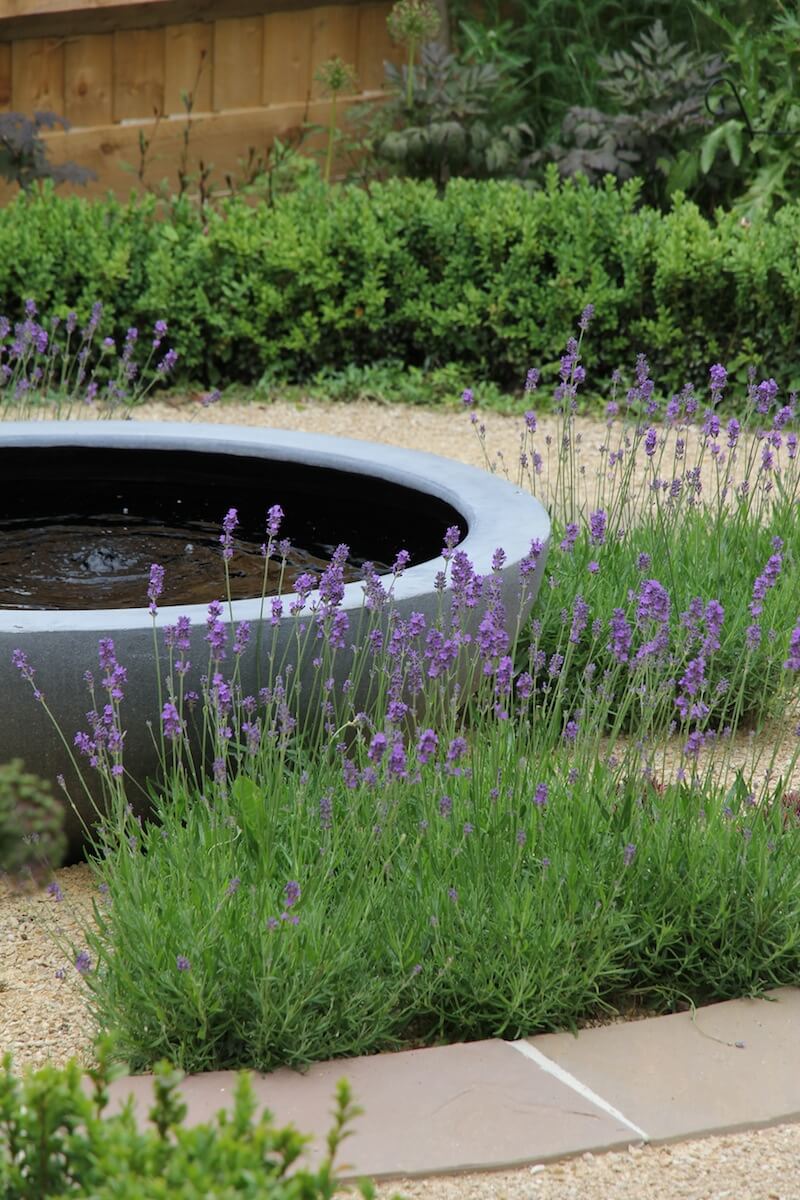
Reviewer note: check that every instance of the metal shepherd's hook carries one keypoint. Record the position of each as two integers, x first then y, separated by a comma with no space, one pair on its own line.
741,106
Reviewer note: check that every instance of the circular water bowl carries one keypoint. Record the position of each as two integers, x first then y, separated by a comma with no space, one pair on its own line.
85,508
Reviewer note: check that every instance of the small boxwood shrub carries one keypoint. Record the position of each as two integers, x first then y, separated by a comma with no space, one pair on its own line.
490,275
32,838
56,1141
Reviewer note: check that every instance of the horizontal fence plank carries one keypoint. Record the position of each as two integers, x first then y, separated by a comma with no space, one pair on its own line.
222,139
89,79
51,18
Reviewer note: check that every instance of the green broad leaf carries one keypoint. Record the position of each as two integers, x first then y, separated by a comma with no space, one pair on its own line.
249,799
709,148
733,140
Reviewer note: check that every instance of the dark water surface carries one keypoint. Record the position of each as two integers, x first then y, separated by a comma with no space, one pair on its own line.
79,528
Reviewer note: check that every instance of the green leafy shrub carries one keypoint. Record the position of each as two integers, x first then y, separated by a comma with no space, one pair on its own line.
489,275
32,836
657,92
55,1141
755,136
554,47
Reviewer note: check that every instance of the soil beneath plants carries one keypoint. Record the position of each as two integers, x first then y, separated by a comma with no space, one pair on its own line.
44,1018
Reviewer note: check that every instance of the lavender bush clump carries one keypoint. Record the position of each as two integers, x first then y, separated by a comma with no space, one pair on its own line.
469,828
60,365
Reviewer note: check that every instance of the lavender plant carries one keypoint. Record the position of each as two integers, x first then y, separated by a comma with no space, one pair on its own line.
475,829
63,368
691,526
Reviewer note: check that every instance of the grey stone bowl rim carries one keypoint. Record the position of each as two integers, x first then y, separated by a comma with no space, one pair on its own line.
497,513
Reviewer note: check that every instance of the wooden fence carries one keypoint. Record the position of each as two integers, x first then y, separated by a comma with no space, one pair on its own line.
111,67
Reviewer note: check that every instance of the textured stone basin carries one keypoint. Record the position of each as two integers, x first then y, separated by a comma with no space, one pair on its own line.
376,498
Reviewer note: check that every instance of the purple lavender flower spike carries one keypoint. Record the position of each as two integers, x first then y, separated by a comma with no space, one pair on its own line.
326,810
427,746
753,636
621,636
452,537
765,395
397,757
597,527
377,748
229,523
524,685
734,429
155,587
217,634
19,659
401,562
274,517
792,663
167,362
171,721
570,538
457,749
580,618
694,679
653,602
528,564
766,580
531,383
717,377
242,637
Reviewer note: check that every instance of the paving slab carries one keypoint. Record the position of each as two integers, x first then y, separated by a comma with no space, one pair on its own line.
726,1067
449,1108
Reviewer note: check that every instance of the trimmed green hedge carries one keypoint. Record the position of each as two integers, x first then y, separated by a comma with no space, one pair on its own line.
58,1139
491,276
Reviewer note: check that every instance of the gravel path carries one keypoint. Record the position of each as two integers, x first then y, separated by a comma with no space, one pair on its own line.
757,1165
43,1018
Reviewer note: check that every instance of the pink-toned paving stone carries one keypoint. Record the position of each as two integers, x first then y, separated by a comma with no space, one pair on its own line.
448,1108
722,1068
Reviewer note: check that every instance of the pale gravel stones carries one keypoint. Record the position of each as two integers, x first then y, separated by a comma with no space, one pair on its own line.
43,1018
757,1165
